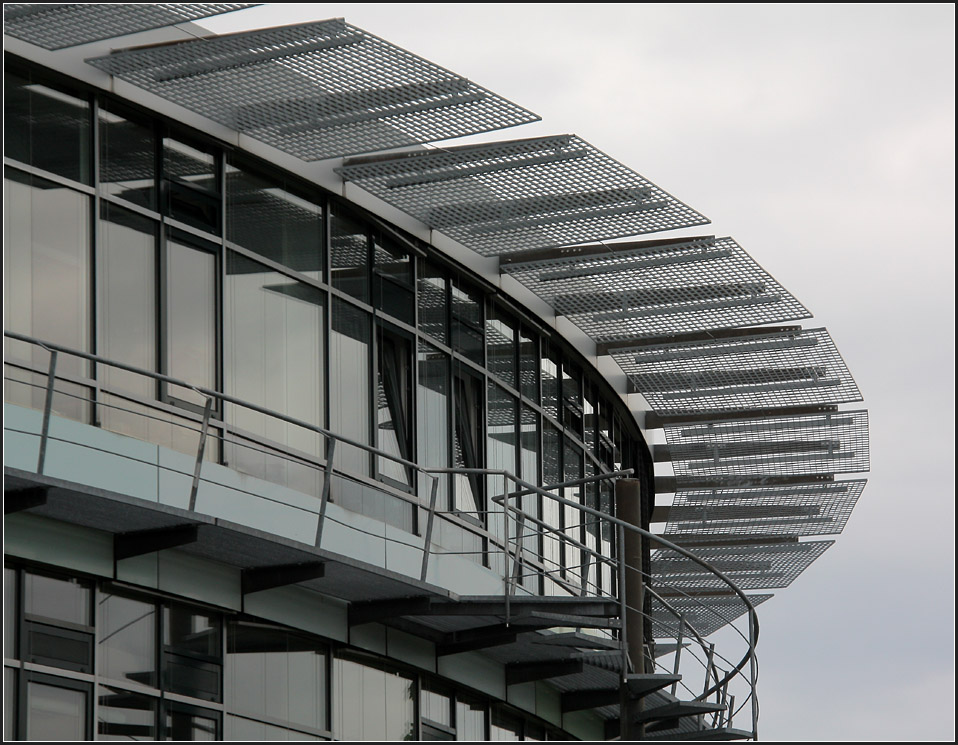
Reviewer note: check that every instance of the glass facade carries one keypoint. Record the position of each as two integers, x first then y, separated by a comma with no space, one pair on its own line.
184,259
161,669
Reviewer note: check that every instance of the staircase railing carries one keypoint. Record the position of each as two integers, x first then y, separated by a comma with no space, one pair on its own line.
505,533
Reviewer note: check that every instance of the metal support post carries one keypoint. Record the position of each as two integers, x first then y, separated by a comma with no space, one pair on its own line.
430,517
753,674
628,507
200,450
47,408
505,549
324,499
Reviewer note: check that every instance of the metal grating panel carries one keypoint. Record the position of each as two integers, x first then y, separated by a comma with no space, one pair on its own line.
635,290
750,567
803,510
792,368
771,446
61,25
511,196
316,90
706,614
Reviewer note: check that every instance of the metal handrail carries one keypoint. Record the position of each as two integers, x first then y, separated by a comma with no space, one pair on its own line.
522,487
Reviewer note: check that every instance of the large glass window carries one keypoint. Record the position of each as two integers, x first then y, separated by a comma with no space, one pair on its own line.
467,442
56,709
125,715
393,282
370,703
501,347
433,417
274,357
349,256
126,639
275,675
128,302
394,405
191,317
349,384
264,215
191,182
192,652
47,127
433,289
467,333
127,159
47,267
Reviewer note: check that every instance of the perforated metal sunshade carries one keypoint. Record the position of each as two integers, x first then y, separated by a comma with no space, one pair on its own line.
705,614
655,288
751,567
791,368
512,196
798,510
771,446
61,25
316,90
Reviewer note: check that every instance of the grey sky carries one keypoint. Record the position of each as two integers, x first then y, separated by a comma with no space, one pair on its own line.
821,138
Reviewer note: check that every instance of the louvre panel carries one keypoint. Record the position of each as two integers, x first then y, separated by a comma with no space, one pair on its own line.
316,90
61,25
633,290
505,197
771,446
802,510
705,614
785,369
751,567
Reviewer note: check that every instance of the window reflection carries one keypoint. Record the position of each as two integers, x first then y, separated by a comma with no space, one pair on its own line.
371,703
349,256
265,216
349,384
56,712
276,675
124,715
47,127
127,639
127,159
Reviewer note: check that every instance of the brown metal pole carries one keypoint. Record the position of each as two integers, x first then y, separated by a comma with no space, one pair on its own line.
628,507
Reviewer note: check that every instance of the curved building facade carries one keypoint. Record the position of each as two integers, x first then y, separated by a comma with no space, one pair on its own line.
314,430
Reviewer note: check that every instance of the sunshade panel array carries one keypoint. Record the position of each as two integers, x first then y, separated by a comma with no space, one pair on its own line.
782,369
750,567
789,510
704,614
316,90
60,25
658,288
795,445
506,197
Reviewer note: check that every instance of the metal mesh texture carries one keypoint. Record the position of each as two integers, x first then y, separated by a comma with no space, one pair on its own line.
512,196
706,614
635,291
316,90
771,446
802,510
61,25
792,368
752,567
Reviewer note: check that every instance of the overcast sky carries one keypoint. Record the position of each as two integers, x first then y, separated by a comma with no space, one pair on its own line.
821,138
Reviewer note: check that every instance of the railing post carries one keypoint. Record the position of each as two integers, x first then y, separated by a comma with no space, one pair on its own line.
47,408
505,547
710,656
200,450
753,674
680,637
430,517
517,563
324,498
